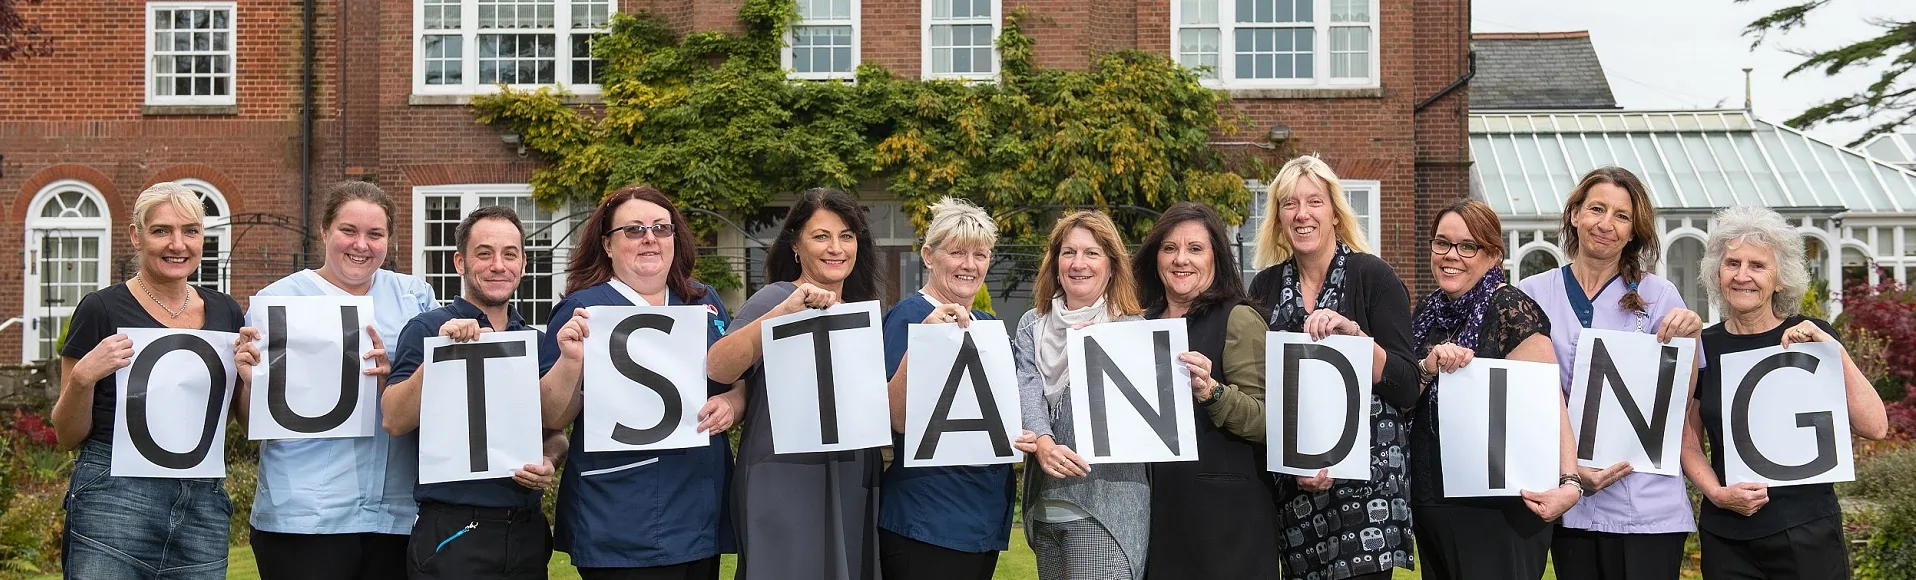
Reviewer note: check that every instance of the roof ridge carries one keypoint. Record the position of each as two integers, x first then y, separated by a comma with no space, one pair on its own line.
1530,35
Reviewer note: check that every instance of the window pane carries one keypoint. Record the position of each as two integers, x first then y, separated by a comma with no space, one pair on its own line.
1350,52
1198,48
222,19
1350,10
1197,11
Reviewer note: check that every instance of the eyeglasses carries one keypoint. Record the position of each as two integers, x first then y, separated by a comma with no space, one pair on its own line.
637,231
1464,250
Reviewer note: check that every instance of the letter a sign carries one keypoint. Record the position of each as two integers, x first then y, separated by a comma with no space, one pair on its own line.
961,396
1130,397
171,416
311,382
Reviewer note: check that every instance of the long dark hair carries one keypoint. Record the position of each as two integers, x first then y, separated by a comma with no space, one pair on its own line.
781,263
1639,255
590,265
1227,283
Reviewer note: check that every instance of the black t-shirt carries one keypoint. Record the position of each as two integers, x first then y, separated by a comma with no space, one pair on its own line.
1789,506
104,312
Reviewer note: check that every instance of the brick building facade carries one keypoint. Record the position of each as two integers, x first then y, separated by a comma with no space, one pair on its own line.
1376,87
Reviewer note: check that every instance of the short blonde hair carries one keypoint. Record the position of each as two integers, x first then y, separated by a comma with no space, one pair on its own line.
1745,224
1273,246
959,222
182,199
1120,293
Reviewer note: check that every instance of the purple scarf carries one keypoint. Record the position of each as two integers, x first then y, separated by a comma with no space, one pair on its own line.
1444,313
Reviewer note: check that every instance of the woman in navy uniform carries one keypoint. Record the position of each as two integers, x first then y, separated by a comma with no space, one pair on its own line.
642,514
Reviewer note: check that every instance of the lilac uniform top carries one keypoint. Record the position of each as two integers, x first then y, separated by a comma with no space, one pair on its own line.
1640,503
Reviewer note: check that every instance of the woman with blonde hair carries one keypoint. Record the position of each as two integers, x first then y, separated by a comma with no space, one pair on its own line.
1322,280
138,527
942,522
1085,522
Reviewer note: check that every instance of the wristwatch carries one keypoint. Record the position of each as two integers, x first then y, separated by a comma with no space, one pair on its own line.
1217,388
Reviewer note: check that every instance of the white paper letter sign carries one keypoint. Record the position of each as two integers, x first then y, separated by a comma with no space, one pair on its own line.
479,407
1501,424
170,416
1622,409
310,382
644,378
825,379
1130,397
1786,416
1317,410
961,396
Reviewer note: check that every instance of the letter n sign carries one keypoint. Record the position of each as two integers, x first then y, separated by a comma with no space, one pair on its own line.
1130,397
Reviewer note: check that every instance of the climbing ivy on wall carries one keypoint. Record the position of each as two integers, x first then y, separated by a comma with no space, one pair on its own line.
711,118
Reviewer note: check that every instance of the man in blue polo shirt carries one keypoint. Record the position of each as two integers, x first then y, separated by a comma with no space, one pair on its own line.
489,528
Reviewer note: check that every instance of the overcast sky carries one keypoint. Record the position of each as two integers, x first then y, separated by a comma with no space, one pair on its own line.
1690,53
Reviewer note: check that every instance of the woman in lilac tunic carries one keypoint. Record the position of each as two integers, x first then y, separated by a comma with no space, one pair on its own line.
1632,525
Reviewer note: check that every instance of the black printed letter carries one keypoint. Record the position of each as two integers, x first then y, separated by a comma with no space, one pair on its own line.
1163,420
820,329
141,432
1822,422
941,423
1499,421
475,355
276,374
622,360
1294,356
1603,373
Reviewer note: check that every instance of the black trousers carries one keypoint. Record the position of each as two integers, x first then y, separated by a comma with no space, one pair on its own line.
902,558
329,556
1468,542
1811,551
707,569
461,542
1587,555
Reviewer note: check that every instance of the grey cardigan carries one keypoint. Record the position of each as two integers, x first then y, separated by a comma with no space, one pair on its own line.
1117,495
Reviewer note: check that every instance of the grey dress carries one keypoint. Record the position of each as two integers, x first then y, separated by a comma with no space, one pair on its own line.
800,516
1117,495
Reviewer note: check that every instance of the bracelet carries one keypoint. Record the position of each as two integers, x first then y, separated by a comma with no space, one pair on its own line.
1577,480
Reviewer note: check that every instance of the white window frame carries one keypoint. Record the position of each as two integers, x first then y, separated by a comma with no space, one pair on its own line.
231,55
997,22
1371,189
469,33
1321,25
100,228
211,227
856,22
469,195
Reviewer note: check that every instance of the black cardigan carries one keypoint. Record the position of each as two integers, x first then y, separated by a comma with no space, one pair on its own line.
1376,299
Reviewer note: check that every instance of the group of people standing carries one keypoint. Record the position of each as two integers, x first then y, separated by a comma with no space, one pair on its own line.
351,508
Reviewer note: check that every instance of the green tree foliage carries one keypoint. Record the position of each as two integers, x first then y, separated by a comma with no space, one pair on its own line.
712,118
1889,101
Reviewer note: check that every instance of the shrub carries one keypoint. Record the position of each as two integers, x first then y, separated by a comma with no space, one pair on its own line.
1888,481
242,482
29,536
1887,311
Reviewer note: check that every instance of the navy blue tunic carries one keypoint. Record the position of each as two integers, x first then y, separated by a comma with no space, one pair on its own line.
640,509
967,509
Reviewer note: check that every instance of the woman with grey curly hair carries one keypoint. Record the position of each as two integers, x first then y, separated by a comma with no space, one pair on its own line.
1754,270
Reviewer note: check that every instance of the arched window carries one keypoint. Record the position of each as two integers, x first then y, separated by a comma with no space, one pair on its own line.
67,247
215,254
1684,264
1536,261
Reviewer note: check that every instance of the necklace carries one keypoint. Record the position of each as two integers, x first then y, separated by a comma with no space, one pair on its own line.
156,299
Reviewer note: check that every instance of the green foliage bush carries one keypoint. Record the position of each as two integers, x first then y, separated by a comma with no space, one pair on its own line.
30,530
1888,482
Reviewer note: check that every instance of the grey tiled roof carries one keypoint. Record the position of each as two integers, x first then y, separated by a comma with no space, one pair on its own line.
1538,70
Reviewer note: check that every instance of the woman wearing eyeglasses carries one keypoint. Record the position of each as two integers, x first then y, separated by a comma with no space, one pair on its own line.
642,514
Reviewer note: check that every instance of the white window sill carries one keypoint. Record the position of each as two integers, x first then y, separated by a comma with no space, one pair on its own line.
466,99
160,110
1303,92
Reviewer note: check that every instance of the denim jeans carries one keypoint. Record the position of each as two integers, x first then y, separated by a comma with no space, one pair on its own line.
127,528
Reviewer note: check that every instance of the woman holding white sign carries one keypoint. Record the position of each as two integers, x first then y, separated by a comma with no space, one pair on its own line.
343,508
1633,525
804,515
1192,274
1473,314
638,250
1324,281
1754,270
133,527
1084,522
942,522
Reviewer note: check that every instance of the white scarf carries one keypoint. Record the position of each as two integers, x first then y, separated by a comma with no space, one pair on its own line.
1052,362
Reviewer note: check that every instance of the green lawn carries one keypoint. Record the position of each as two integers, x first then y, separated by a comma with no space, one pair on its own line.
1015,564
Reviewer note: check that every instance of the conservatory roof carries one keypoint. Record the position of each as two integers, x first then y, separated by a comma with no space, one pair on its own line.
1897,148
1526,162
